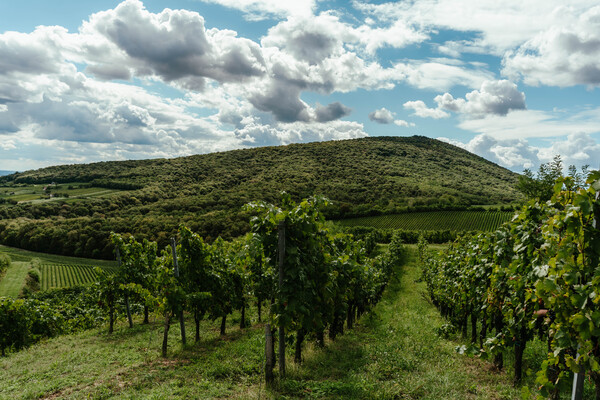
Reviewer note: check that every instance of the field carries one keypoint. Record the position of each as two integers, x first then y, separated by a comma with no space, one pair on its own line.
55,270
65,275
49,192
435,220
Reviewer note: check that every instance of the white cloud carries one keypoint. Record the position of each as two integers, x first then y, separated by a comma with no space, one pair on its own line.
563,55
499,26
382,116
385,116
494,97
256,134
173,44
421,110
401,122
534,123
441,74
577,149
515,154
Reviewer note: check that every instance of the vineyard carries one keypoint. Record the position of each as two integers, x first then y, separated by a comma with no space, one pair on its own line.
67,275
534,279
435,220
312,281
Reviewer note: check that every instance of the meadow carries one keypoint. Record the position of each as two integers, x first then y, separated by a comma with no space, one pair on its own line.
40,193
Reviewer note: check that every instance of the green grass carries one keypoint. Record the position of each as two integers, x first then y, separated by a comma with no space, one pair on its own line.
435,220
392,353
14,279
45,258
35,193
55,270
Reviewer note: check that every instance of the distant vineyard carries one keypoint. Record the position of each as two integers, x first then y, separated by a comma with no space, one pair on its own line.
435,220
66,275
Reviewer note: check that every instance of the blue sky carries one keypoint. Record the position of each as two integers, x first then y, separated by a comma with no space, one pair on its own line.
515,82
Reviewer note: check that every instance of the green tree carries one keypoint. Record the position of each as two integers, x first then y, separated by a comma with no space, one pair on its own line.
541,186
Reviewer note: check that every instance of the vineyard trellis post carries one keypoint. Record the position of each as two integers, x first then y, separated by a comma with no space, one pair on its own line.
129,318
269,362
176,267
280,258
579,378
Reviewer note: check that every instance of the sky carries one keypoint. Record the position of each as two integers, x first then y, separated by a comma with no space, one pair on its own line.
516,82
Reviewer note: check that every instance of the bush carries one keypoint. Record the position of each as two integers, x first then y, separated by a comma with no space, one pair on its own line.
4,262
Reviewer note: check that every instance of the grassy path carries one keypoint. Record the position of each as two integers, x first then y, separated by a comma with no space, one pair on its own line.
393,353
14,279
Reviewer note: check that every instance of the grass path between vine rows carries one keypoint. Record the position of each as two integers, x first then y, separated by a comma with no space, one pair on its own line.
393,353
14,279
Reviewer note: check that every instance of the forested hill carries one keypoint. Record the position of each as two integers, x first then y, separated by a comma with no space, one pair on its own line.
361,176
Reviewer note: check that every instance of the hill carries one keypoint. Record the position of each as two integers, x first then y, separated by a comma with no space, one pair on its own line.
369,176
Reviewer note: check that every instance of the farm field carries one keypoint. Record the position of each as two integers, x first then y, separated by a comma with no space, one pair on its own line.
393,352
435,220
45,258
37,193
66,275
55,270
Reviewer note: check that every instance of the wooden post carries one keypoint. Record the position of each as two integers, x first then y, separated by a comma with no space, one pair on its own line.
578,379
176,266
280,256
129,319
269,362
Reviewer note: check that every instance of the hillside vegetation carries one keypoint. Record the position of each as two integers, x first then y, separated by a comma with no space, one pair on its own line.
362,177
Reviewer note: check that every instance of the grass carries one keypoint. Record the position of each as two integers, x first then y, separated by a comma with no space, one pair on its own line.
36,193
393,352
14,279
45,258
55,270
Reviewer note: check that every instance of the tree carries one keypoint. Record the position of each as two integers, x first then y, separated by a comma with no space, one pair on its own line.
541,187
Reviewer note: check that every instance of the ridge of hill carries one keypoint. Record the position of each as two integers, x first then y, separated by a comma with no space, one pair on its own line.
367,176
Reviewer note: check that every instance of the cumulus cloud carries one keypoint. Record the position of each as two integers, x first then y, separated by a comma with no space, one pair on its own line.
331,112
403,123
420,109
562,55
173,44
577,149
256,134
382,116
515,154
385,116
488,18
442,74
534,123
494,97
